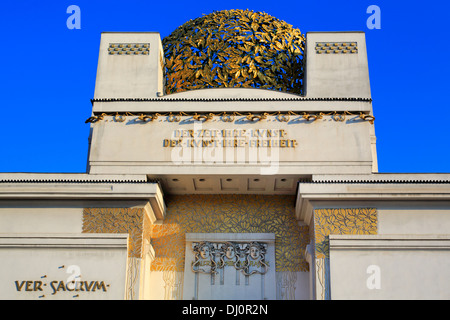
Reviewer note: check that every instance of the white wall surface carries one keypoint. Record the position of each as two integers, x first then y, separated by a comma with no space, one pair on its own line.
322,146
390,267
40,219
41,267
414,220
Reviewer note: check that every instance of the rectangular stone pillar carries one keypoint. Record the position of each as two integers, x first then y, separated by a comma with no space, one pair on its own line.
130,65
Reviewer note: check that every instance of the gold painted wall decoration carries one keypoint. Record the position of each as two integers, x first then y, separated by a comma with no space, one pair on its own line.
117,220
342,221
229,214
232,116
134,222
363,221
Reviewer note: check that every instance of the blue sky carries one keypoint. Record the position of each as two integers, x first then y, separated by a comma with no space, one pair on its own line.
48,72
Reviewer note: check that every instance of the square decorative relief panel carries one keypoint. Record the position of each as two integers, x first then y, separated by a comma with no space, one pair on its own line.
129,49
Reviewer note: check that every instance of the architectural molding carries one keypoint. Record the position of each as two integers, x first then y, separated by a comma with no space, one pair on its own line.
389,242
369,188
64,240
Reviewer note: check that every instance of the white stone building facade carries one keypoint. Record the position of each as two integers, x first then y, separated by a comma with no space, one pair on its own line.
227,193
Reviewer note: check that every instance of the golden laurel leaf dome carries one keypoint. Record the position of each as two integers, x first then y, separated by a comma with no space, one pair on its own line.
234,48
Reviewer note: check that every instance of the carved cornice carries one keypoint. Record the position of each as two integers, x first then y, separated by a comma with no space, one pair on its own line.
226,99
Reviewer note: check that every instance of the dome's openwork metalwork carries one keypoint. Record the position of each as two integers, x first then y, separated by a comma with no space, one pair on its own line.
234,48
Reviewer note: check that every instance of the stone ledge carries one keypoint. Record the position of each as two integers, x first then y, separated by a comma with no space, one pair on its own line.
389,242
64,241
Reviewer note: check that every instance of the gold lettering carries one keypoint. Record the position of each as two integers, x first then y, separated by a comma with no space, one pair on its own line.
89,287
37,286
171,143
53,287
99,286
207,143
183,133
236,138
293,143
28,286
69,287
19,286
61,286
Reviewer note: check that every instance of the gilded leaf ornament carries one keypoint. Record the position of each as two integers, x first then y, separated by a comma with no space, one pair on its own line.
230,214
117,220
234,48
362,221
